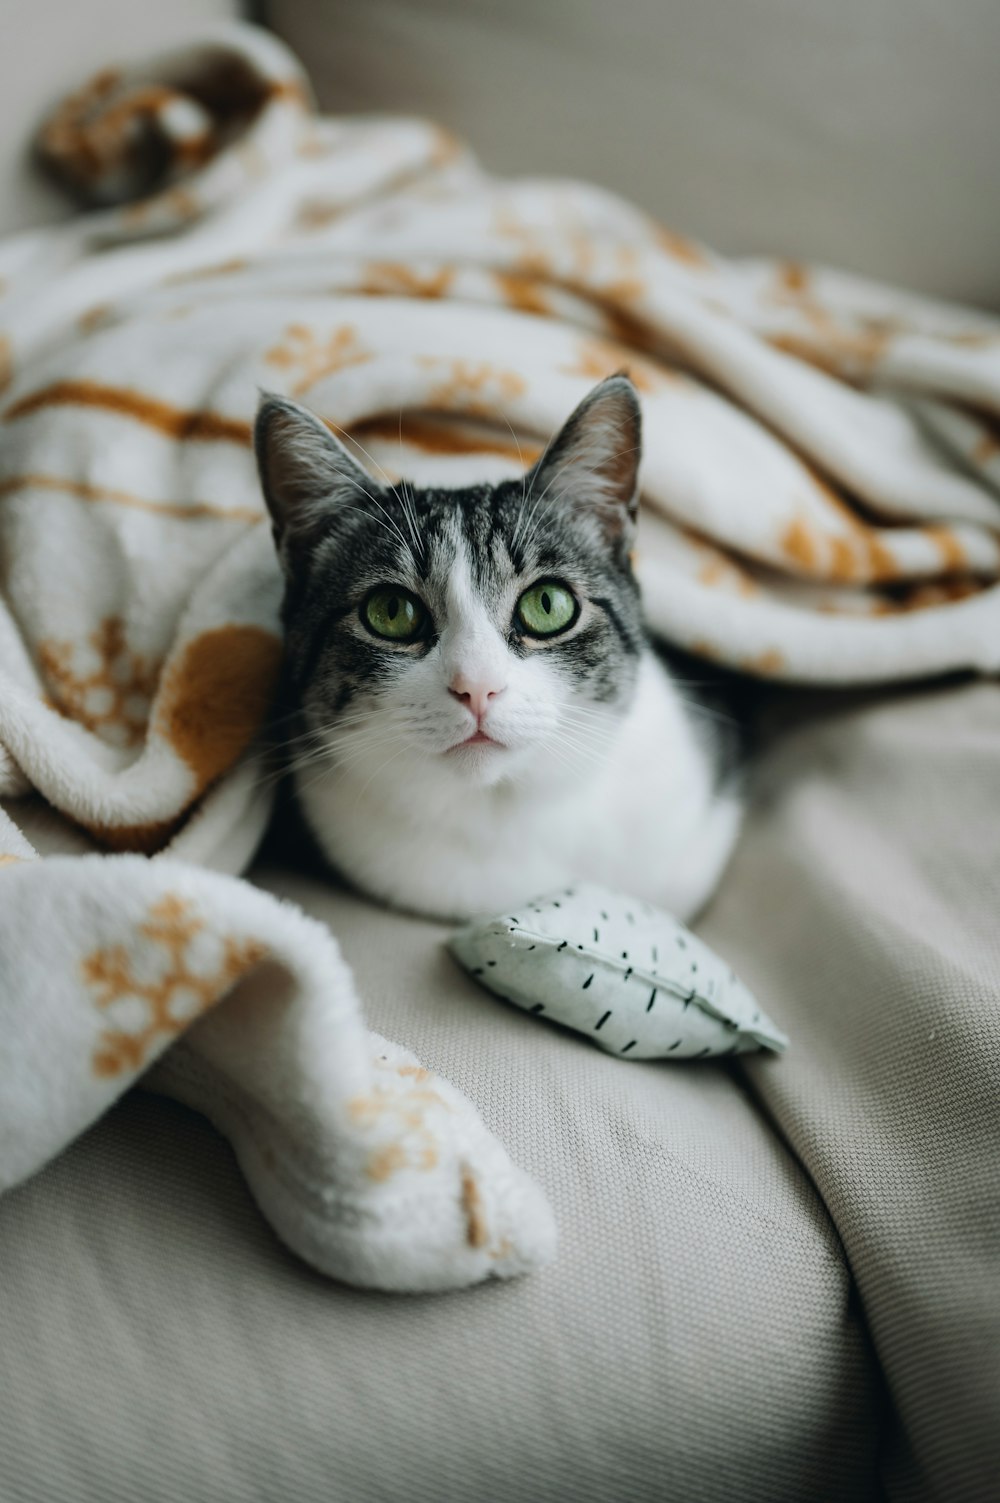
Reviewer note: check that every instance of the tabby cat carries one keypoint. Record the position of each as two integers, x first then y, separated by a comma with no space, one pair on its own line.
482,713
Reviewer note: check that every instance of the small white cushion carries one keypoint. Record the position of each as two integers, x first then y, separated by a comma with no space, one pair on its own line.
629,976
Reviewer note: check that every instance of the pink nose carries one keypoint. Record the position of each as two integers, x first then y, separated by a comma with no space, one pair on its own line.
475,693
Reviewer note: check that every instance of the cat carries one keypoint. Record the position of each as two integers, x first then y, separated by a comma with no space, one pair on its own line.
483,714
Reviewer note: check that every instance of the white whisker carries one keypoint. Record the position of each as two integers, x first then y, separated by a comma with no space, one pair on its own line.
381,768
386,477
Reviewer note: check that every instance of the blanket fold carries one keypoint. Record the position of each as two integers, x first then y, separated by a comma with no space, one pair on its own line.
821,479
368,1166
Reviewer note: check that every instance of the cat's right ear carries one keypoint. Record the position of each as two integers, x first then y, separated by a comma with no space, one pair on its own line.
305,472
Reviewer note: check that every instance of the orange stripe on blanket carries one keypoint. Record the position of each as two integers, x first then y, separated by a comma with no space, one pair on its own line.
184,510
173,421
10,860
438,438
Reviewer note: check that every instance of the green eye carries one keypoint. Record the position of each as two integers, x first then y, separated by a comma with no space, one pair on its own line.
394,614
548,607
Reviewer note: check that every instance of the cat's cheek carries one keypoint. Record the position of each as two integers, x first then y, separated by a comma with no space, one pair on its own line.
538,685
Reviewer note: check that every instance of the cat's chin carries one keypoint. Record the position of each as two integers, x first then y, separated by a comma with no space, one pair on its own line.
483,763
525,772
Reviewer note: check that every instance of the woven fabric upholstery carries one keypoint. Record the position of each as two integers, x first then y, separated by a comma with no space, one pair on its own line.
702,1336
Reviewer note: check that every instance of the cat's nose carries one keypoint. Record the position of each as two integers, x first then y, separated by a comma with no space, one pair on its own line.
475,693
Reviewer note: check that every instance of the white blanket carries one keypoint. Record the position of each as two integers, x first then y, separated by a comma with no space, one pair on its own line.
821,481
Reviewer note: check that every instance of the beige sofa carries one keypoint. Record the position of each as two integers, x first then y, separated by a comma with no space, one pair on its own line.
777,1280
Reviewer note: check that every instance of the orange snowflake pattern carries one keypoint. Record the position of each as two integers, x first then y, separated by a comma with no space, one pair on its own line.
848,350
573,259
414,1145
163,1006
598,358
313,357
395,279
111,695
479,389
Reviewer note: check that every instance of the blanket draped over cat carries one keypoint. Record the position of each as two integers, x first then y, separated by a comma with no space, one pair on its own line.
820,505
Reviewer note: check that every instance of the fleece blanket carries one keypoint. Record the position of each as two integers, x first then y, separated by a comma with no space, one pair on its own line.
821,487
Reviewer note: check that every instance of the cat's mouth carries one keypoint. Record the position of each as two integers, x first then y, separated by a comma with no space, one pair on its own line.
478,738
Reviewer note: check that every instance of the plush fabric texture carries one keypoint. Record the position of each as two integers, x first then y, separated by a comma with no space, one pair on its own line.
366,1165
371,268
633,980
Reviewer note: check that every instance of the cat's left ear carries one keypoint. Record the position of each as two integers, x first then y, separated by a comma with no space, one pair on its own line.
592,464
305,472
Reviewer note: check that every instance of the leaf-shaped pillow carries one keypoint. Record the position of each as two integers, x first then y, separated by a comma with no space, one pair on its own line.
627,975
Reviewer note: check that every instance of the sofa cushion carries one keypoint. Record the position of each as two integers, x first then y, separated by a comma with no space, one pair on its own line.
870,865
697,1339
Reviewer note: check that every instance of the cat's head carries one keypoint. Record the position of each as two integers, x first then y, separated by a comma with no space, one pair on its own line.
492,632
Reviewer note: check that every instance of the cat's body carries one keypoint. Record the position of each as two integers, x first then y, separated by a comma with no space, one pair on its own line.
483,717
